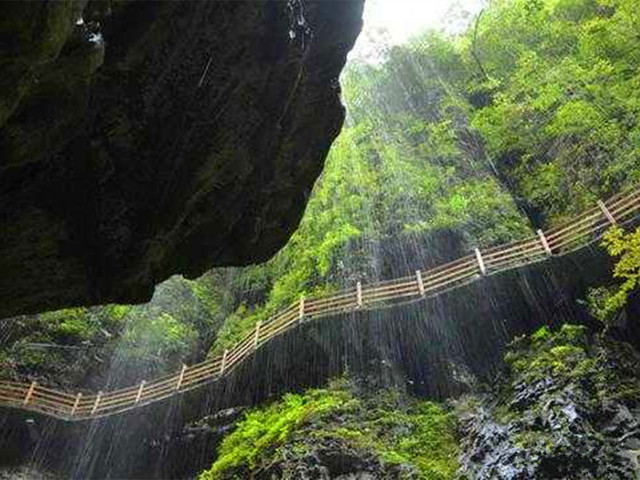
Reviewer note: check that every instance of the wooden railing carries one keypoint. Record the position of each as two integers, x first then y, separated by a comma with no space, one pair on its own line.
582,230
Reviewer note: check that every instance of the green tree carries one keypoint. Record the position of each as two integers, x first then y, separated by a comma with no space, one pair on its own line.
606,302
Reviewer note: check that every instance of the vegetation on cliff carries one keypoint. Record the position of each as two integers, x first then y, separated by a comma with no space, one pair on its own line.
607,301
457,141
565,405
568,407
452,141
118,344
327,428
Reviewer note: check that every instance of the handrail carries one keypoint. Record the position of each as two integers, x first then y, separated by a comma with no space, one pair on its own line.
585,228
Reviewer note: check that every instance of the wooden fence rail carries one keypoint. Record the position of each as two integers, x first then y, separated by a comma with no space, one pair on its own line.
585,228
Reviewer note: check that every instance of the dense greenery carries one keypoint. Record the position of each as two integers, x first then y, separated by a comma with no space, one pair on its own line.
397,429
562,353
454,141
555,410
75,346
62,346
562,123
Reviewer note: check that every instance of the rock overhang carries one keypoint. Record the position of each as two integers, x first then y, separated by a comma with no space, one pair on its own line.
144,139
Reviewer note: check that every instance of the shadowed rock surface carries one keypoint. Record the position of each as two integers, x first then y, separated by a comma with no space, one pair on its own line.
572,413
144,139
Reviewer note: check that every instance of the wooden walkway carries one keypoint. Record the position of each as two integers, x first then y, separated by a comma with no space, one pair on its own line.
582,230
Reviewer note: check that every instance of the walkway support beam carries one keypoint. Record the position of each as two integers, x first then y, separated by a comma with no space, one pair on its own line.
545,243
606,212
256,337
95,404
32,388
181,377
224,361
359,295
481,265
140,389
76,403
301,310
420,282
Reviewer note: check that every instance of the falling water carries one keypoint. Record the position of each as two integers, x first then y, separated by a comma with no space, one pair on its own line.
392,203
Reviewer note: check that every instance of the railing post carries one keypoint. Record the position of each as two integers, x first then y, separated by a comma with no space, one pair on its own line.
359,295
95,404
181,377
140,389
256,337
481,266
420,283
606,212
76,403
29,394
301,310
224,361
544,242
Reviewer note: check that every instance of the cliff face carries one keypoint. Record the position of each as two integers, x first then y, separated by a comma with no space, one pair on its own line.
567,409
143,139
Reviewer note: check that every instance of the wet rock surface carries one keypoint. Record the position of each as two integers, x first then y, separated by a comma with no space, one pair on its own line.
332,459
25,473
143,139
577,423
187,451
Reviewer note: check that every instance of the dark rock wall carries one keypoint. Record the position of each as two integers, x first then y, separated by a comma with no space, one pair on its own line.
143,139
577,417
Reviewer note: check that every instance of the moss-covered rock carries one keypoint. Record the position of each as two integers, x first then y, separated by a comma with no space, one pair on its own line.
569,408
343,431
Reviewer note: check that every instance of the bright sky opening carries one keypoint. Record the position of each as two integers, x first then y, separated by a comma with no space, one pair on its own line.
390,22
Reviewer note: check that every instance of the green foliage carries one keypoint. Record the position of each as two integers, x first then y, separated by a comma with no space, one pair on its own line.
66,346
153,341
59,345
559,354
397,429
605,302
531,439
236,326
265,429
536,108
428,443
563,121
573,361
416,433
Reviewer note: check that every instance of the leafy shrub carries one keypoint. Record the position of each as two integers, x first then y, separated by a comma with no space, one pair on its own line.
264,429
399,430
157,344
563,353
605,302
